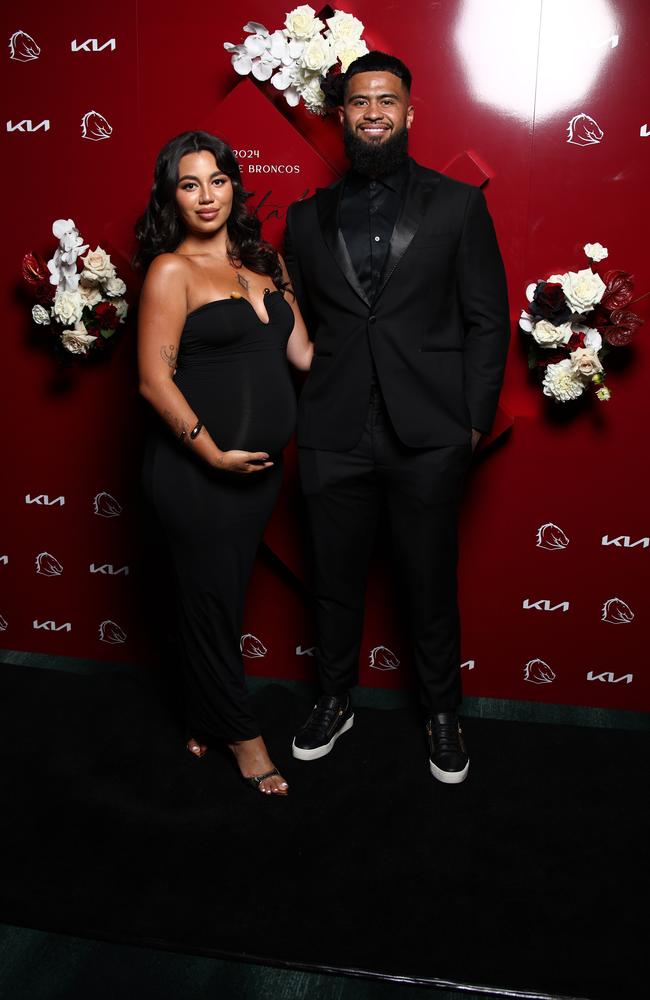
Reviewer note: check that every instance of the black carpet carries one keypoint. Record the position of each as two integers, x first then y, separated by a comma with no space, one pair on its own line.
531,876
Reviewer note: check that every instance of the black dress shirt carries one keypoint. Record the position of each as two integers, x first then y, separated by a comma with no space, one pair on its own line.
369,209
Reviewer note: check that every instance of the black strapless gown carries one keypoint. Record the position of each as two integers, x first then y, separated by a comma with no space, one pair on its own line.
233,371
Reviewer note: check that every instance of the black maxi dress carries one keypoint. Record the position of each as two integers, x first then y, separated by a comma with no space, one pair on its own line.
232,369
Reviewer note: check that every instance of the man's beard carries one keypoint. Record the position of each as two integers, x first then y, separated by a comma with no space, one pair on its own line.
375,159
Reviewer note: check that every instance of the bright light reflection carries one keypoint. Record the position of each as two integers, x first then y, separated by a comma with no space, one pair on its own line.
497,44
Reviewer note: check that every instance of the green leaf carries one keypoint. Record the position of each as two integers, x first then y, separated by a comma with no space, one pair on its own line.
107,334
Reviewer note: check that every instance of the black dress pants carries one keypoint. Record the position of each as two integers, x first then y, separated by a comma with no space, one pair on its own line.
421,488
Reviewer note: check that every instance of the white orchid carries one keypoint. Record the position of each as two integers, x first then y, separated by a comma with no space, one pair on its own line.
63,265
296,58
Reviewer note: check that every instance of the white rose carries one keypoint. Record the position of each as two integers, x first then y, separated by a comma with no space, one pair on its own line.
596,251
97,264
318,55
121,308
89,291
548,335
312,94
585,361
344,27
77,341
561,383
582,289
114,287
40,315
68,307
348,51
302,22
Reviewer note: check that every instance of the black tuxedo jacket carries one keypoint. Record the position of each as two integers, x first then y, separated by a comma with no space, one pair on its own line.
437,328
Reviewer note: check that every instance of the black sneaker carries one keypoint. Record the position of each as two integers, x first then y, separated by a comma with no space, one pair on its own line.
448,758
330,717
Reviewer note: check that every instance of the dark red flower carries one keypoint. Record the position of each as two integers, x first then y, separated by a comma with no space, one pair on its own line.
618,291
550,357
106,316
549,303
599,318
624,325
37,277
575,341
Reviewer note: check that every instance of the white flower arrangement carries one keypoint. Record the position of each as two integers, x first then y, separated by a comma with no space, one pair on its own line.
83,308
296,58
573,320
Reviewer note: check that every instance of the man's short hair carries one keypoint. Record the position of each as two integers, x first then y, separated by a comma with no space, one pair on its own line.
378,62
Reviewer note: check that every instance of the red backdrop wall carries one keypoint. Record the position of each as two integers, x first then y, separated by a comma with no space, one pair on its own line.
496,85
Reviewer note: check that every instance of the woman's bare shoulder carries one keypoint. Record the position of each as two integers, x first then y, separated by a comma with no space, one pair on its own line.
168,265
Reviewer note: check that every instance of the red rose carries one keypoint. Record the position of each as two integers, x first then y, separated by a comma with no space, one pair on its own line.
106,316
618,291
624,325
37,278
549,303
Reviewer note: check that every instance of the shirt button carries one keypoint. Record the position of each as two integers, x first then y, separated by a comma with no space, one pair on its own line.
371,319
372,185
377,238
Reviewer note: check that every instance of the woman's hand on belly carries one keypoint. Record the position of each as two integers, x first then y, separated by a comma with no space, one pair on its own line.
242,462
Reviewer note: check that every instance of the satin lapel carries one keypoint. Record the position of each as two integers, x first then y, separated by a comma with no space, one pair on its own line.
418,195
328,211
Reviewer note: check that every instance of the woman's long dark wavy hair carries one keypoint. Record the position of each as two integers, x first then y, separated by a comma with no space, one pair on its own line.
159,230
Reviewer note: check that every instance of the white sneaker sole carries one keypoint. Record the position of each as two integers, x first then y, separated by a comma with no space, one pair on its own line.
325,749
448,777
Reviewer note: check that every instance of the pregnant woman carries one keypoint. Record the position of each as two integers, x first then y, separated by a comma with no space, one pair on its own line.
217,324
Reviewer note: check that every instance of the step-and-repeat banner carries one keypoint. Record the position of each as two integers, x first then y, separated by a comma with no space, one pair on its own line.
539,103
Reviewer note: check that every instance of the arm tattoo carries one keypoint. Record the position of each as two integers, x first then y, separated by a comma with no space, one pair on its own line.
169,354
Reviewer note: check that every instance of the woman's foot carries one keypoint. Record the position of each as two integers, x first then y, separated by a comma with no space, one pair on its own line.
198,749
253,759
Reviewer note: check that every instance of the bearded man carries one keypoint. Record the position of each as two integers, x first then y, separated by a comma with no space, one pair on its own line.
398,274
